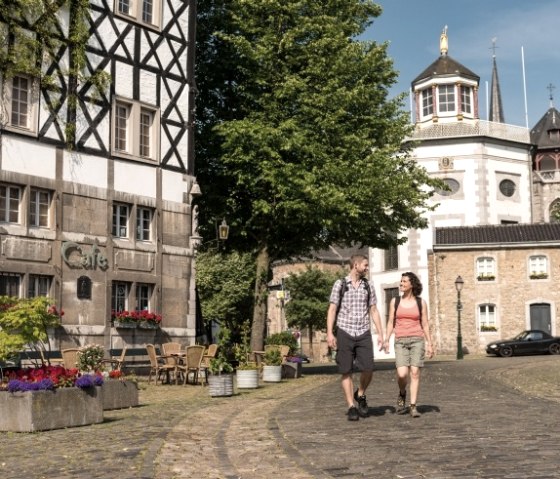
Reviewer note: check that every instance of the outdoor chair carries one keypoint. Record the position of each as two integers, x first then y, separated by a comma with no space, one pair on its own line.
70,357
191,363
209,354
159,365
115,362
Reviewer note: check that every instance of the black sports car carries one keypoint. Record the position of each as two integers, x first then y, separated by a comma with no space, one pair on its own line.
532,341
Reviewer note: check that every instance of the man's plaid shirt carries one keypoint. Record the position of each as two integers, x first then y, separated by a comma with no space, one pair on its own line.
353,316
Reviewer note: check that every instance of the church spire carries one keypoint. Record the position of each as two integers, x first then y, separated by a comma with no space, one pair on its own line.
496,112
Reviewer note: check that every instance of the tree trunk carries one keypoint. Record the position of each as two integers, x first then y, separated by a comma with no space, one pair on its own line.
259,311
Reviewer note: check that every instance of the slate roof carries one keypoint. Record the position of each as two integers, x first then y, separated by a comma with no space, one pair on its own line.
539,133
445,65
518,234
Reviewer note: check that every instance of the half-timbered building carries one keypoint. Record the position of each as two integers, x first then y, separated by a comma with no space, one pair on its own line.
97,182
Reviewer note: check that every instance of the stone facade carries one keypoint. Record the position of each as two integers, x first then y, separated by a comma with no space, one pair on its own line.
512,293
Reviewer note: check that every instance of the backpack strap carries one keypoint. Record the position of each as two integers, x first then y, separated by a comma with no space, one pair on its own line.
344,288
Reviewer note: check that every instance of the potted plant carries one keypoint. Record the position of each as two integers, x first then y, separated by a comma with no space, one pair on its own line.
272,369
247,373
119,390
220,379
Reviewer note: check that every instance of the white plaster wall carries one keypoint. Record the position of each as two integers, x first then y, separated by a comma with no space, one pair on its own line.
135,178
84,169
21,155
173,187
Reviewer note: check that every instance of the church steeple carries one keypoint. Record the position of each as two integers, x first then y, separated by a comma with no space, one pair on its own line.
496,112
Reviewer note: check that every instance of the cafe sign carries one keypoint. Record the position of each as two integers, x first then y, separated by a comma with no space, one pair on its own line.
77,256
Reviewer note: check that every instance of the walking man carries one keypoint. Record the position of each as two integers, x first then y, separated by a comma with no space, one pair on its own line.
352,306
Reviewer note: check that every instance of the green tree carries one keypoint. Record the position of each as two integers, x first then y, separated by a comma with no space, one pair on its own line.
309,298
307,148
225,288
25,323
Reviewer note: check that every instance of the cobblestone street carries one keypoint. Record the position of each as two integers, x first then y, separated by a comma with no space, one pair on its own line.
473,425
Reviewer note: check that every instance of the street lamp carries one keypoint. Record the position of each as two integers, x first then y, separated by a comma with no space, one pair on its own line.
223,231
459,286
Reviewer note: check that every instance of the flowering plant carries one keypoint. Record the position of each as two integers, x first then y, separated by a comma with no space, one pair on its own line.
136,316
48,378
90,357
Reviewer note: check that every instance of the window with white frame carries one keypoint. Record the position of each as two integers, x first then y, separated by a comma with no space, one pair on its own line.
143,296
10,199
427,102
143,11
21,103
144,218
10,284
121,214
538,267
485,268
38,286
39,206
487,317
119,295
135,130
466,103
446,98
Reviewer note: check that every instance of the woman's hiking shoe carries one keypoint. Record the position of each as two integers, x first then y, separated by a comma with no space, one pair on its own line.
413,411
363,408
353,414
401,403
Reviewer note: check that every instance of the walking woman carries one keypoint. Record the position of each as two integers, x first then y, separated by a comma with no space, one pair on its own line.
408,319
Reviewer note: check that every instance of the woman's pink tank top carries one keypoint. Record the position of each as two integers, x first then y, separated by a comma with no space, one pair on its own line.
408,322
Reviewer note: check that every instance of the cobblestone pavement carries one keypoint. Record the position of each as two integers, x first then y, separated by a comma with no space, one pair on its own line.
474,424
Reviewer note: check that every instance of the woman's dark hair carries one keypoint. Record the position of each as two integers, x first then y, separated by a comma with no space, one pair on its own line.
415,282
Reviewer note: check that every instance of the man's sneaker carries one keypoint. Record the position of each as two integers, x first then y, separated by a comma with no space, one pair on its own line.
353,414
413,411
363,408
401,403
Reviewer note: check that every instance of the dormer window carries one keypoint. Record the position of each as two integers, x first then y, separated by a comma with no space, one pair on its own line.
554,135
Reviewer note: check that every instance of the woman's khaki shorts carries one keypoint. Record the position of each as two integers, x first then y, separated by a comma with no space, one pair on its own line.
410,352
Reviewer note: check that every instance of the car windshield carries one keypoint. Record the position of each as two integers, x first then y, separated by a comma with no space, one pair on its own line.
521,336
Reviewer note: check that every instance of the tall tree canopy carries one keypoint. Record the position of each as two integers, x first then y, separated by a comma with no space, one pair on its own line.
299,145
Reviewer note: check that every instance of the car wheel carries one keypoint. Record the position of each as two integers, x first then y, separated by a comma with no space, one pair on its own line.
506,352
554,348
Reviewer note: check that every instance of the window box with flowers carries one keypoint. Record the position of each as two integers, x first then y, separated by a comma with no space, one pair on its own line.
29,396
535,275
488,329
486,277
133,319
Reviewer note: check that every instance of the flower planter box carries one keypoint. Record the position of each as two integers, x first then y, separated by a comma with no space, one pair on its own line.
125,325
44,410
119,394
147,325
291,370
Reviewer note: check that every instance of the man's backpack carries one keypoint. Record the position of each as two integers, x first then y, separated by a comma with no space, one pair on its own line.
418,302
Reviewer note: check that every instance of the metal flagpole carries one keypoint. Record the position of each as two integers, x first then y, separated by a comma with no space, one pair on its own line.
524,88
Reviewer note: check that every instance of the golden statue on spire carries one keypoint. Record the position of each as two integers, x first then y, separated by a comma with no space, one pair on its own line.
443,45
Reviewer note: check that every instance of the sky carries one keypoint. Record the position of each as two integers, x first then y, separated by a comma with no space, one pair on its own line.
413,29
